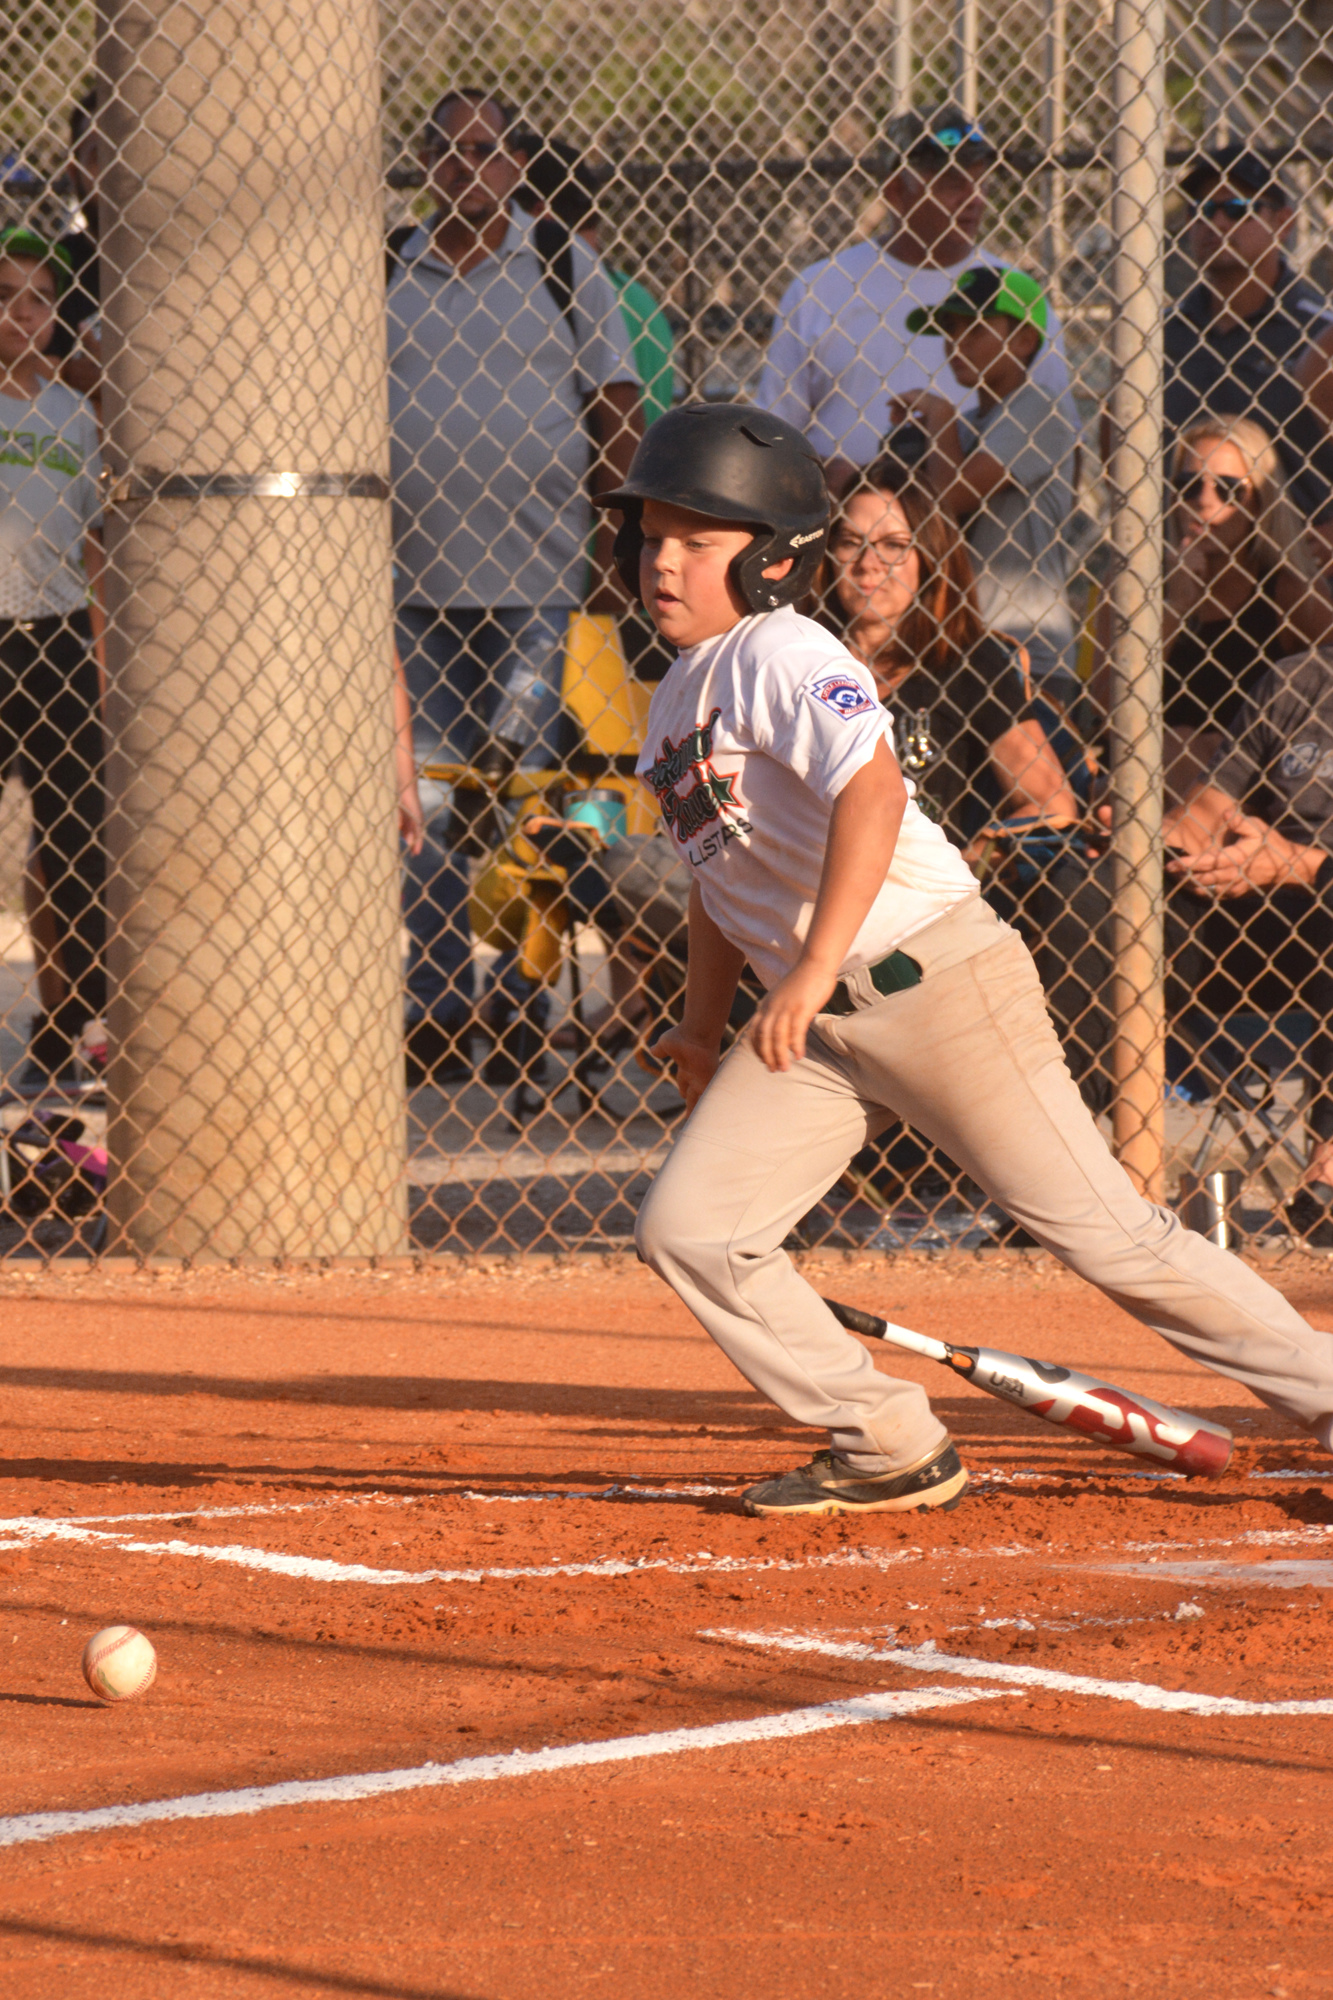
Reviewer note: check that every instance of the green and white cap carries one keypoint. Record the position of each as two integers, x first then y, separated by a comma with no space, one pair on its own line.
16,241
984,290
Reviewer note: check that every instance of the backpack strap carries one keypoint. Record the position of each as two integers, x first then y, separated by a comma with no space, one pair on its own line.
555,254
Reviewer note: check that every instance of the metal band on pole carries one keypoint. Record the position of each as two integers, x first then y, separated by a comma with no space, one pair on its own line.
125,489
1135,480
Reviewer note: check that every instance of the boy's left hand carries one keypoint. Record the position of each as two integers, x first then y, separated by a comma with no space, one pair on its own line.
778,1030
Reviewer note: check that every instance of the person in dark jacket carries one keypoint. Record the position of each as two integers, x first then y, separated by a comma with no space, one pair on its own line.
1253,878
1245,340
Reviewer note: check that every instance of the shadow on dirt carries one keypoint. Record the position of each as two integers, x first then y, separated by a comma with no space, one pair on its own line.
200,1955
404,1392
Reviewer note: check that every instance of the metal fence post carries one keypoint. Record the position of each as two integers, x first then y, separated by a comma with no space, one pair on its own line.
966,35
1135,480
1054,121
256,1088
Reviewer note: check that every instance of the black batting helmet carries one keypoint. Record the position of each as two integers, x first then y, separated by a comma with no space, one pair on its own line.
733,463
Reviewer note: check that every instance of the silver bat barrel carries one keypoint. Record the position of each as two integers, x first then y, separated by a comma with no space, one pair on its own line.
1112,1416
1062,1396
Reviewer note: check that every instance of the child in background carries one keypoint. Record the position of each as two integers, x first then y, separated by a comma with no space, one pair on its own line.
1007,472
50,624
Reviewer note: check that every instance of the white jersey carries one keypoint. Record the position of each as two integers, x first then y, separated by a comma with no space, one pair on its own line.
751,737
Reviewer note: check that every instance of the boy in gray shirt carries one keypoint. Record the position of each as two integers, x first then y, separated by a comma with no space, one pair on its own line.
1007,471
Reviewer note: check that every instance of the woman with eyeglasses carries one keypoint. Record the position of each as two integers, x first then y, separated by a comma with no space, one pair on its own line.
897,588
1241,591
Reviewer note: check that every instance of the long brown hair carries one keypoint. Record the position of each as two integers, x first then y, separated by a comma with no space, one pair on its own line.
942,625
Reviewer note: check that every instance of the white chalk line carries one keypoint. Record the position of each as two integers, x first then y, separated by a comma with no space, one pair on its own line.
23,1522
860,1709
925,1659
1268,1575
24,1531
322,1569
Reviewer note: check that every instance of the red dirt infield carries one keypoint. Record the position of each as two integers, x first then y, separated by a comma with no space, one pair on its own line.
387,1530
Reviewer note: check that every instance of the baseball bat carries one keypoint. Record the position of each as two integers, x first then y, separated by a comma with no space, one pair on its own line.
1062,1396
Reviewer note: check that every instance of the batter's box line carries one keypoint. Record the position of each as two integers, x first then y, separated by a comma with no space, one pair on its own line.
323,1569
925,1659
24,1522
26,1828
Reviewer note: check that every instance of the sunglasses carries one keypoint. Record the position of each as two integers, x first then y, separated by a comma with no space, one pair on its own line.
1230,488
1232,207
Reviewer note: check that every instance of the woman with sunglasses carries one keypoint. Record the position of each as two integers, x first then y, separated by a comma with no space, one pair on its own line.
1242,590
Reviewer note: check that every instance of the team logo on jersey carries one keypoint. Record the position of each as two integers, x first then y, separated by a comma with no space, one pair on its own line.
708,797
844,694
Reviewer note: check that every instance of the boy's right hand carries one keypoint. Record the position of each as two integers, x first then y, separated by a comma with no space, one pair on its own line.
695,1063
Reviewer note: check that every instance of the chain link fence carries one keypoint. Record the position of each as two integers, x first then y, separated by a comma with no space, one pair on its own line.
320,702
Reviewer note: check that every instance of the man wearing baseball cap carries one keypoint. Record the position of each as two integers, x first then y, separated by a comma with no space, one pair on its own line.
841,349
1252,338
1008,471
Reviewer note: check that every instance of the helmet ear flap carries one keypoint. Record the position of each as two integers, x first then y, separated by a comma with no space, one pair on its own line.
628,547
765,593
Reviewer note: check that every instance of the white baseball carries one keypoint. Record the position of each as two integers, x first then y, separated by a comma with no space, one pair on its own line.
118,1663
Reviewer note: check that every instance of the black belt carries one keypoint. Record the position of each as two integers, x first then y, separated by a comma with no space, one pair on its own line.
894,974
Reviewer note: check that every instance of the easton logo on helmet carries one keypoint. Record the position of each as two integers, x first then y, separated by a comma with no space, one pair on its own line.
799,541
843,694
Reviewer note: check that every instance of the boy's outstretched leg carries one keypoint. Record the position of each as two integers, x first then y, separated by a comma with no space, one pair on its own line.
756,1153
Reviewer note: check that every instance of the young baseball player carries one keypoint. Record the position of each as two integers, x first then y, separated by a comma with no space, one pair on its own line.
893,992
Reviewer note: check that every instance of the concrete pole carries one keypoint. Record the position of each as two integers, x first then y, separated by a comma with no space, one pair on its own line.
256,1080
1135,481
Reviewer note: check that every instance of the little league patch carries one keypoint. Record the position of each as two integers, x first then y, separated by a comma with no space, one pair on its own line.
843,693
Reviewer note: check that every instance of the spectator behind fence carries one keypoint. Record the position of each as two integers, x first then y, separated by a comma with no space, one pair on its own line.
1007,473
977,741
897,589
841,347
508,358
1241,589
1252,339
1255,876
50,611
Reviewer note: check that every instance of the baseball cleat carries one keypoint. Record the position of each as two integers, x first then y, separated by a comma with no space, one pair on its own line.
828,1485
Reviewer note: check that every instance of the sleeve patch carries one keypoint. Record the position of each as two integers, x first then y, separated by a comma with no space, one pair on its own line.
844,694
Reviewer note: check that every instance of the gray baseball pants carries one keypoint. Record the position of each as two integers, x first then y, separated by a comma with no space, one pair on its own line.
969,1057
